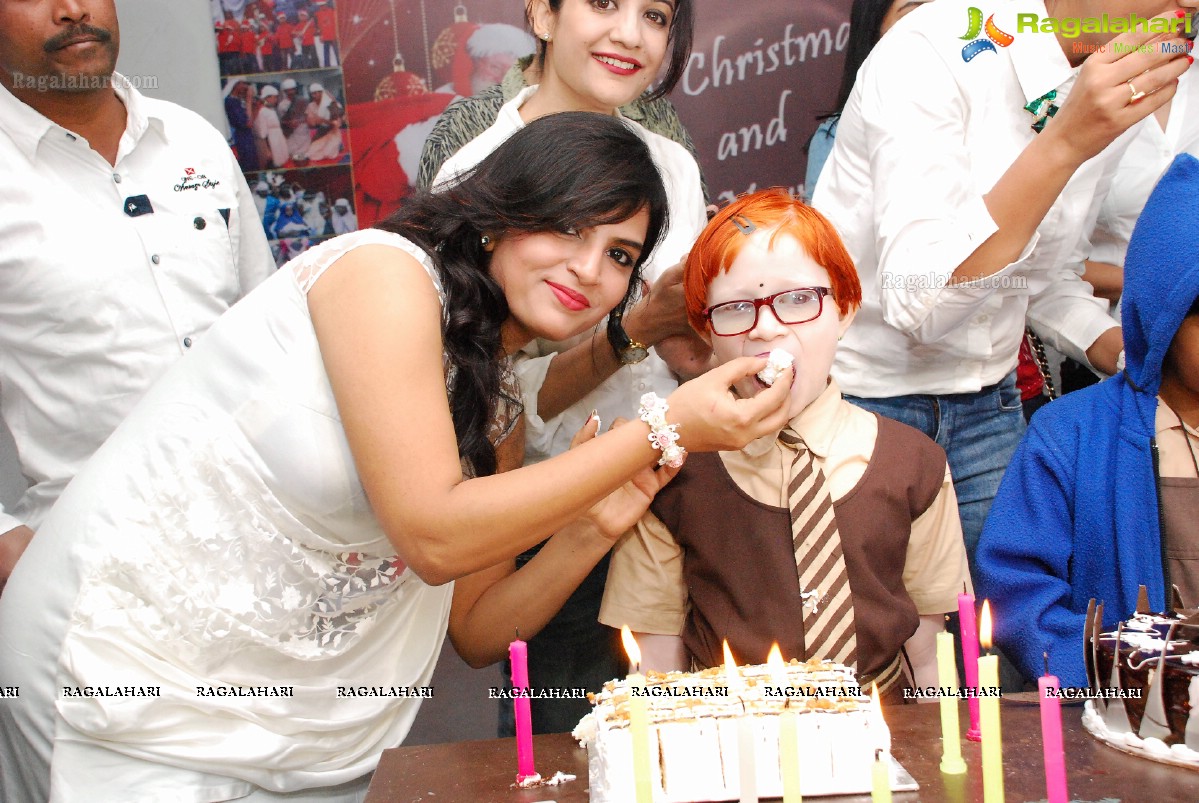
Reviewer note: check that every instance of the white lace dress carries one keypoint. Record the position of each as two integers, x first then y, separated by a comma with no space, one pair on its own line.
221,537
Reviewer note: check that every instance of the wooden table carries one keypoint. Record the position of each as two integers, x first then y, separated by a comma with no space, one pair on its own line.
481,772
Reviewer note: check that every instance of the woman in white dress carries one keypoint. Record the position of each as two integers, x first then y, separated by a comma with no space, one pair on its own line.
282,516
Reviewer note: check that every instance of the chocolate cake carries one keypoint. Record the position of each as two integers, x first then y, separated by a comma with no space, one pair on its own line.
1144,678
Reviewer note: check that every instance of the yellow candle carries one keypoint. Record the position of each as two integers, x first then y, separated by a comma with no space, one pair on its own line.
638,720
788,732
880,778
988,713
951,745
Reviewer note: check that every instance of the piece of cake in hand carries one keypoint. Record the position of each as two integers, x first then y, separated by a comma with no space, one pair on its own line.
776,362
693,733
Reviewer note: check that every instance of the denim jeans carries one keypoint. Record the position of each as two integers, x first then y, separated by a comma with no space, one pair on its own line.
978,431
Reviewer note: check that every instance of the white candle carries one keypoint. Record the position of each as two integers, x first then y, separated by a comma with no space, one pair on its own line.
748,770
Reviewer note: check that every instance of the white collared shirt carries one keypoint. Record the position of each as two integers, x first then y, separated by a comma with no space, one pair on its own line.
1147,157
924,136
619,394
96,304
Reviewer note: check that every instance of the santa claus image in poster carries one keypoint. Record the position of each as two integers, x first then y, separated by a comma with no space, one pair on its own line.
404,61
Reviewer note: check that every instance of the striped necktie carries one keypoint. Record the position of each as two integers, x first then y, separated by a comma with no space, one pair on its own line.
828,619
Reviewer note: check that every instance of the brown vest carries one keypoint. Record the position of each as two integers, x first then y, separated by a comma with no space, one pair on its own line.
739,563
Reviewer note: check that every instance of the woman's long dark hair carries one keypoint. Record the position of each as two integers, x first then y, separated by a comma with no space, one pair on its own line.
564,171
682,33
865,29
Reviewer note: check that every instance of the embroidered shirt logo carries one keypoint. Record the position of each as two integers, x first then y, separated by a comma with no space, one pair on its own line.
992,35
191,180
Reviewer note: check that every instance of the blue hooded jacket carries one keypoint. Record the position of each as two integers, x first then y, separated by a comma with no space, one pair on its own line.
1077,514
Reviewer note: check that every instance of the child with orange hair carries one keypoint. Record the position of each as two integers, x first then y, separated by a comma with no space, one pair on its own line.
837,539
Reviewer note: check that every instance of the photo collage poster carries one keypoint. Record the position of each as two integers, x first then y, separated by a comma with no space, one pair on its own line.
330,101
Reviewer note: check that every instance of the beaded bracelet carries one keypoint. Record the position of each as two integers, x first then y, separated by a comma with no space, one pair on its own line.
662,436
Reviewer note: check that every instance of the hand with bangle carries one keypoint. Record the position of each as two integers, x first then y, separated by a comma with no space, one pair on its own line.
703,415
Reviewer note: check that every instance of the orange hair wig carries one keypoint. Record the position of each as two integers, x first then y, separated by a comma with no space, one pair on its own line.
772,210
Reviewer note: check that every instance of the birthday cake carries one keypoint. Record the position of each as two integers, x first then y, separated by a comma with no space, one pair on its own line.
1144,677
695,723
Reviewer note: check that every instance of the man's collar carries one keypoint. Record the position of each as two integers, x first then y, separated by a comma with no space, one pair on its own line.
23,124
27,127
1166,418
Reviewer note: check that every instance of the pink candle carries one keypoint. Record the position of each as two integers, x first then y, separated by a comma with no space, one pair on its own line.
1051,740
518,654
970,660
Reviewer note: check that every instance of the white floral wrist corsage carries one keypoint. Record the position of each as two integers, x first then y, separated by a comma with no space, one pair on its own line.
662,436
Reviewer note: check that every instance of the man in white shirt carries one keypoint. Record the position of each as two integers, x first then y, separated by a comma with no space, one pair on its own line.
963,220
127,229
268,128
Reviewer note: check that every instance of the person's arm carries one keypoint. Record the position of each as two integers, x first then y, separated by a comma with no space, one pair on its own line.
488,606
1106,280
12,545
1096,112
922,652
937,226
252,254
935,571
378,323
647,592
661,653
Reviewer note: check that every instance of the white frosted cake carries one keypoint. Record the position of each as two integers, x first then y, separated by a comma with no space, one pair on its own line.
694,731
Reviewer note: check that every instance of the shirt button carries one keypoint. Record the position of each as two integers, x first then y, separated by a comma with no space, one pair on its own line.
200,223
116,177
154,258
187,342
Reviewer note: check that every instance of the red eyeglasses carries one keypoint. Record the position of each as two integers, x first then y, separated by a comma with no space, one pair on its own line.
790,307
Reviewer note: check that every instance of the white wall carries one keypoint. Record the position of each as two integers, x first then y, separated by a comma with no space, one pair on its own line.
169,42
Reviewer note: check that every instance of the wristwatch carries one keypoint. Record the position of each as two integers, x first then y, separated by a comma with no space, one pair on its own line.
628,350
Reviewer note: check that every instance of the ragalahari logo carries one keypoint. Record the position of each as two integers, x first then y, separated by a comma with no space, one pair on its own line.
993,37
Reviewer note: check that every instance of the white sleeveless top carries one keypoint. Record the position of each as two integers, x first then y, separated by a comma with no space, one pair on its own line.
221,537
